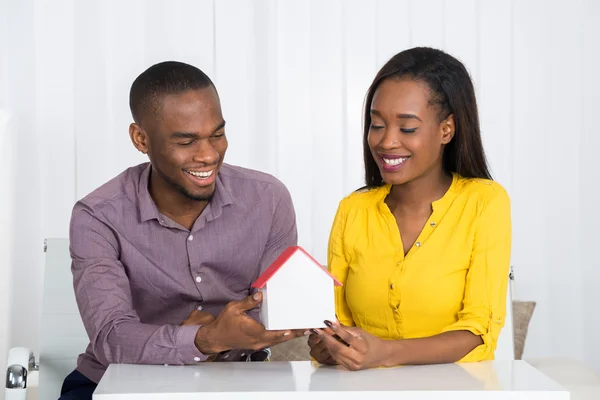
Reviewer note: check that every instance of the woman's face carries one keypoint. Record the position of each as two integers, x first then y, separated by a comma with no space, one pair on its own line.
406,136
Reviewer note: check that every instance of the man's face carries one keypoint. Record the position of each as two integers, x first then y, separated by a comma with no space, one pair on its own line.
186,141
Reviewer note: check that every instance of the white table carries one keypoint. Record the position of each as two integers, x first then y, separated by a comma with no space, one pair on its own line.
307,380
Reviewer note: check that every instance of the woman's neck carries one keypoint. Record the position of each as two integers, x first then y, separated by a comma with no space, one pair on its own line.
417,195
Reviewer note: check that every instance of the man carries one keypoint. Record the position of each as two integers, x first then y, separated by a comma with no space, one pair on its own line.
165,253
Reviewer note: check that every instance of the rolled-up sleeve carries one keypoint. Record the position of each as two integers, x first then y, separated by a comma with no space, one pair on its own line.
338,266
484,304
103,296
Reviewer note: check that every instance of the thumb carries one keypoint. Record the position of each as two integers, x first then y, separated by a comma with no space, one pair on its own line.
251,301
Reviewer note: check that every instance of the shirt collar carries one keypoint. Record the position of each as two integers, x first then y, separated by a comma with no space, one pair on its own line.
148,209
443,202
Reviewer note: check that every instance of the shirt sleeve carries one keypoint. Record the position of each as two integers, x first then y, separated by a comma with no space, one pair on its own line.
484,303
282,235
337,263
104,299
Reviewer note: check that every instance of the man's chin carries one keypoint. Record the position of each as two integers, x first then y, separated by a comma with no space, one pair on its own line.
204,195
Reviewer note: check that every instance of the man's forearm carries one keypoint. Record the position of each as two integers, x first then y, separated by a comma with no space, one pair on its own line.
137,343
447,347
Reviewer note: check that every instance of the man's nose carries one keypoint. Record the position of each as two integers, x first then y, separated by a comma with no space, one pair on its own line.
206,153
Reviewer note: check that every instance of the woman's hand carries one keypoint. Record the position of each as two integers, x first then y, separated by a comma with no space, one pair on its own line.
362,351
319,350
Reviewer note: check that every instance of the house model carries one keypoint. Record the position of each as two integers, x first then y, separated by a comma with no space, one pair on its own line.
297,292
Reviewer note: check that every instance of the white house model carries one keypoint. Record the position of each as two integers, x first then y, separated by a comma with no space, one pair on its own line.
297,292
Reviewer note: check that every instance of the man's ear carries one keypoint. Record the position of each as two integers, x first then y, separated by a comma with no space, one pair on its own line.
139,137
447,129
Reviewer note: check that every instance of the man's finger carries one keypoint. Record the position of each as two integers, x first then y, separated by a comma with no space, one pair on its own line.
246,304
202,317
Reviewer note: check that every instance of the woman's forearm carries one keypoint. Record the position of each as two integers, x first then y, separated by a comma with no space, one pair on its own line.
446,347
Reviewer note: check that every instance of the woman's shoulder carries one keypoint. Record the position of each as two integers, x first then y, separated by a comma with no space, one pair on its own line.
365,197
485,190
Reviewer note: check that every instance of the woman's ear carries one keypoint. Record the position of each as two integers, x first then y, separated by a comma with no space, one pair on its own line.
447,129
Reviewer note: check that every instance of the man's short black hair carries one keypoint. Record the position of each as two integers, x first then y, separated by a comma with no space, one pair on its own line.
169,77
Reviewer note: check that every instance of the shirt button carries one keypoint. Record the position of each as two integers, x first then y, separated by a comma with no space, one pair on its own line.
418,244
392,286
432,224
197,359
191,237
198,279
199,308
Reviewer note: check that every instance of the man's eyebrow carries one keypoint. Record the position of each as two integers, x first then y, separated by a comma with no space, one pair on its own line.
193,135
219,127
184,135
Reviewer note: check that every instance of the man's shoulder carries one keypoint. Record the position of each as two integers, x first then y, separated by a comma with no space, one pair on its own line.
121,188
240,178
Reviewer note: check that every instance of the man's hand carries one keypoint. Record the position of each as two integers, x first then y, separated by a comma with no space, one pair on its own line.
233,329
362,351
198,318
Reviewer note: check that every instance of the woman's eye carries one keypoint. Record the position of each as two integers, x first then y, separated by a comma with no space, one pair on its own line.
408,130
375,127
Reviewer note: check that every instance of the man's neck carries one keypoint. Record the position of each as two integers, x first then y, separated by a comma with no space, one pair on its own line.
416,196
172,203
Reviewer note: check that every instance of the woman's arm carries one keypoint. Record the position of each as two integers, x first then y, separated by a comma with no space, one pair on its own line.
484,301
337,263
362,350
447,347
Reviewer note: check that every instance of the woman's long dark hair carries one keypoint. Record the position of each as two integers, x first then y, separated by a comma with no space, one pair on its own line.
452,91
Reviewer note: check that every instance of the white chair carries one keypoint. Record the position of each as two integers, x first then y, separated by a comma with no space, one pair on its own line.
63,336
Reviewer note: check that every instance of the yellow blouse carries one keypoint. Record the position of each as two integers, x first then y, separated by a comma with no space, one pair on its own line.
454,277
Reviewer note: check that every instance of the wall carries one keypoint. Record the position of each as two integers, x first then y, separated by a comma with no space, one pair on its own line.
6,222
292,76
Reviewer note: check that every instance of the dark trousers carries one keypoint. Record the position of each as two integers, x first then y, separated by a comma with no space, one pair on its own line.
77,387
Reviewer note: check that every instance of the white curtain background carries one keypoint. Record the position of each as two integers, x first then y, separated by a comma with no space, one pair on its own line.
292,76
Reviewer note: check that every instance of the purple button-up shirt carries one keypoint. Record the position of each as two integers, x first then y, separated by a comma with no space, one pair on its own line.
138,274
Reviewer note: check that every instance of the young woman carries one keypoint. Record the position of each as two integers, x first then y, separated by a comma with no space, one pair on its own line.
423,250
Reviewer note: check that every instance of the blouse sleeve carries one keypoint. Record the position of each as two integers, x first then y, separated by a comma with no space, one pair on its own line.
484,303
337,263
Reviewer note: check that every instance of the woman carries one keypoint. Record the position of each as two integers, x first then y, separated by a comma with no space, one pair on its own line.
423,250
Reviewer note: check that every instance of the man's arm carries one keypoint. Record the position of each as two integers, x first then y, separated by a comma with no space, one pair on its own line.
282,235
104,298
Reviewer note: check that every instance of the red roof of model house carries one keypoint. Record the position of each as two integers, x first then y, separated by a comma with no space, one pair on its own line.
281,260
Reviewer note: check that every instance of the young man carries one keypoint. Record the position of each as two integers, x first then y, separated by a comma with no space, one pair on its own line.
165,253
